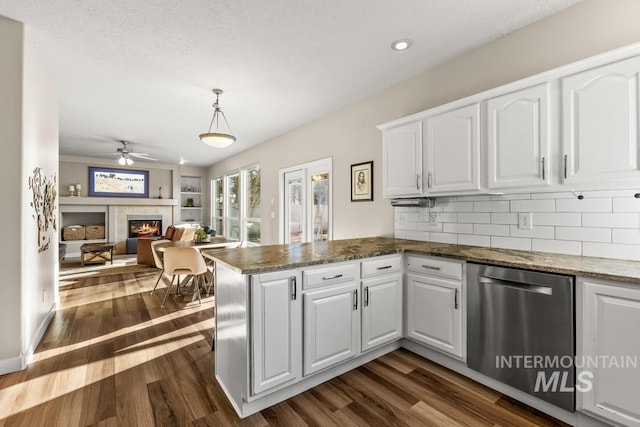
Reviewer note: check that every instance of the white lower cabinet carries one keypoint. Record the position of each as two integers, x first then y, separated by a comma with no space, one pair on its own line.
381,301
434,308
608,379
276,319
331,326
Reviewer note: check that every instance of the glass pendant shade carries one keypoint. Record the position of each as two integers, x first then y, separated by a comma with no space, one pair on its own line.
219,134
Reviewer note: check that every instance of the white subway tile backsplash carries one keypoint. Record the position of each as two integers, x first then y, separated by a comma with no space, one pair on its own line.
584,234
611,220
511,243
458,228
457,207
491,229
606,250
417,235
538,232
474,218
626,236
566,219
556,246
584,205
492,206
425,226
606,223
627,204
504,218
473,240
443,238
533,205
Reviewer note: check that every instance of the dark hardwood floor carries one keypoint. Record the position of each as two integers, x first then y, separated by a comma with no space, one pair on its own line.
113,357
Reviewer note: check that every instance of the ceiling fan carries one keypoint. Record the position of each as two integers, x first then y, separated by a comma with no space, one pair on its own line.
126,155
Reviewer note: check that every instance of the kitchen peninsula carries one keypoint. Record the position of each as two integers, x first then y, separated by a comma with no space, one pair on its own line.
290,317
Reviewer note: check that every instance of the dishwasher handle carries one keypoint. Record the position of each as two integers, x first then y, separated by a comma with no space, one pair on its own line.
539,289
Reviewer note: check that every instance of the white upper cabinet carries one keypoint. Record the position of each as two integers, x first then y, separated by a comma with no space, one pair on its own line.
518,135
600,116
402,160
452,150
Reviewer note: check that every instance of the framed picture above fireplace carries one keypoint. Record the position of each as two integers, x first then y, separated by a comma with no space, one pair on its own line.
112,182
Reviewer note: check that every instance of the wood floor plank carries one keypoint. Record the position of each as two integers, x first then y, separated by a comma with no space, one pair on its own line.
112,357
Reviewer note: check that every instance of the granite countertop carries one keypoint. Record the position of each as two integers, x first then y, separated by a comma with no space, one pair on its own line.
262,259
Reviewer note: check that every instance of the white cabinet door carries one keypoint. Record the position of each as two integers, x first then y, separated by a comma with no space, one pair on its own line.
381,310
331,326
600,120
518,135
452,150
611,316
402,160
276,317
434,312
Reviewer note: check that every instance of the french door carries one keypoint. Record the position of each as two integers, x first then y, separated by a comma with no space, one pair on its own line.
306,202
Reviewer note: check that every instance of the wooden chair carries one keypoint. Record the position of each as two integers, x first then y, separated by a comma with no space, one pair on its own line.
157,258
184,261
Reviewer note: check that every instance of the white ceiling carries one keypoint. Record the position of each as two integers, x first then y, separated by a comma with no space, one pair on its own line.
143,71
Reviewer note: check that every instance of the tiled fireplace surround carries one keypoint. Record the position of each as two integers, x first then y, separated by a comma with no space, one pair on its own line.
602,224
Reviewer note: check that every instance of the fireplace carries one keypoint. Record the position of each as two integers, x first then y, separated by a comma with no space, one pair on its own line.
145,227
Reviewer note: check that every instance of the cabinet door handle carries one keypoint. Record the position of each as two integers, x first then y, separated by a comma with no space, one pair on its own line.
337,276
455,299
355,299
417,181
429,180
430,267
294,288
543,172
386,267
565,166
366,296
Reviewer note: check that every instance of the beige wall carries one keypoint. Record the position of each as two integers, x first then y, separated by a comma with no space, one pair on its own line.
350,135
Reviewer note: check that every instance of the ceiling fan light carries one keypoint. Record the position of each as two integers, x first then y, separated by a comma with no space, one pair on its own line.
129,161
217,140
122,161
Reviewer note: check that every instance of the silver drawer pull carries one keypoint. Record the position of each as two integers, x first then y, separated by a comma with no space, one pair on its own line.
337,276
386,267
430,267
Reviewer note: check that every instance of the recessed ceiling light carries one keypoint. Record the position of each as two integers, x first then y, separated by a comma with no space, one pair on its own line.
402,44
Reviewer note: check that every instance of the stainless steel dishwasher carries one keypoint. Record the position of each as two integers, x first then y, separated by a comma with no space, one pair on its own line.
520,330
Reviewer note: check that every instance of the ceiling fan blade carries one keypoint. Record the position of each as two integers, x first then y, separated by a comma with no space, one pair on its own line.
142,156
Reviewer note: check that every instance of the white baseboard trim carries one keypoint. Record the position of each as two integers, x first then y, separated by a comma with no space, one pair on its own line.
14,364
28,355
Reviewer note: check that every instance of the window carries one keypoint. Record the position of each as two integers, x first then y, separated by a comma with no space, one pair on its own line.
235,200
217,197
251,199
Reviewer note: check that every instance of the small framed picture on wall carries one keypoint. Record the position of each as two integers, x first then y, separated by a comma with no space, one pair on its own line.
362,182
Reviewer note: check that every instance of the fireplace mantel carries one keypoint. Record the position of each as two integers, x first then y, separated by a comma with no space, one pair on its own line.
117,201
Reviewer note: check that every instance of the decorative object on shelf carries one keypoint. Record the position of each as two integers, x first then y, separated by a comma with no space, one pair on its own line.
72,190
362,182
44,205
189,203
220,137
160,192
78,190
108,182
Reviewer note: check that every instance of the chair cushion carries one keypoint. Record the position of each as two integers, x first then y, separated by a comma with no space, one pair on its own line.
170,232
177,234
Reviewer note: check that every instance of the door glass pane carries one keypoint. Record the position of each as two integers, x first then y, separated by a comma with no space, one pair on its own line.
233,196
253,192
217,225
253,231
233,229
295,210
320,206
218,189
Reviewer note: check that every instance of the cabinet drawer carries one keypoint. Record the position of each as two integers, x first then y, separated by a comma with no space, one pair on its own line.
435,266
378,266
316,277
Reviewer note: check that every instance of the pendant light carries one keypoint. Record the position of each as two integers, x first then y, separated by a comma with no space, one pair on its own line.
218,137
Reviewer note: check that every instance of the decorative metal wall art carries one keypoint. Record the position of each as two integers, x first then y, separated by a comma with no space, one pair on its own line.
44,205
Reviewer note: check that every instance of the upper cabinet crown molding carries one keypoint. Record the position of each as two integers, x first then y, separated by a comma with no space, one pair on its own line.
576,124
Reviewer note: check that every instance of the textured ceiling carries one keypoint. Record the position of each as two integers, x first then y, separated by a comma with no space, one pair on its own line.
143,71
